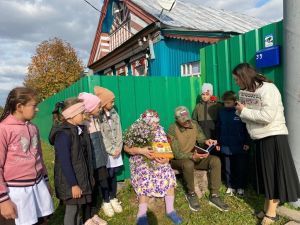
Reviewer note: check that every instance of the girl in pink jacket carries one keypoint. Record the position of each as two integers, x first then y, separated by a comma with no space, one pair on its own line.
24,188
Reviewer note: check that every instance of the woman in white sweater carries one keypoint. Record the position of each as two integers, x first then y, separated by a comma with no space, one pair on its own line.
266,125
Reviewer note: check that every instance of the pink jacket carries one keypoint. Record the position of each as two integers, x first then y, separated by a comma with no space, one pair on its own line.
21,162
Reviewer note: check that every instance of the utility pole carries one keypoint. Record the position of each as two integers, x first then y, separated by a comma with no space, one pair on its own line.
291,32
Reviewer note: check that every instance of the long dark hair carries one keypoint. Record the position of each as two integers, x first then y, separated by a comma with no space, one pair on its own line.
250,78
61,106
18,95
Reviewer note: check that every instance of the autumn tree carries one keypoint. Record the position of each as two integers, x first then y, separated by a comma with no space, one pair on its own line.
54,67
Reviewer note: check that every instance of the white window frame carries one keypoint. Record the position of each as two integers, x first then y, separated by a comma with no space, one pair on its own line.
187,69
133,68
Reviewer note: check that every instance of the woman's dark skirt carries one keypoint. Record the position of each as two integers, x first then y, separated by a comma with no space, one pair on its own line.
276,169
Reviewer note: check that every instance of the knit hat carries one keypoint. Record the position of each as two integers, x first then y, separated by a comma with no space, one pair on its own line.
207,88
182,114
104,94
90,101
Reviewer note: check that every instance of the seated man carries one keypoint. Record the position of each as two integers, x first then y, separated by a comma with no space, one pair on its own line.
184,134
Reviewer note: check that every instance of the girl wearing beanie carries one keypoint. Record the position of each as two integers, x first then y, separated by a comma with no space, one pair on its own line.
110,127
92,107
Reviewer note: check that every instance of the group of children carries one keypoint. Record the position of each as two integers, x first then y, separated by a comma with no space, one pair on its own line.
220,122
87,138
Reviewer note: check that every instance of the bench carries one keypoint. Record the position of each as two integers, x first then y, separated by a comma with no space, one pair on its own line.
200,181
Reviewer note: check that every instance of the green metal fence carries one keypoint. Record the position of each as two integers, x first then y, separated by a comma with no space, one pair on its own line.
218,60
164,94
133,96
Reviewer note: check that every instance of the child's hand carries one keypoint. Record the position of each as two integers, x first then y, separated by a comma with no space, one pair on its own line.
162,160
246,147
76,192
8,210
239,106
117,153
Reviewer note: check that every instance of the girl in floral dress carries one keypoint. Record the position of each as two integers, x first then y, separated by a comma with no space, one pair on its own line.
152,177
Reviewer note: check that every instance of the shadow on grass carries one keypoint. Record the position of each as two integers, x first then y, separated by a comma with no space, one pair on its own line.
152,218
58,216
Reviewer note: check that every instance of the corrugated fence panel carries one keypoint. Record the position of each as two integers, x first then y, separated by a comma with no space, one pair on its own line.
210,65
159,97
224,79
237,55
218,60
44,116
174,90
252,45
127,112
274,73
270,29
133,96
203,68
143,99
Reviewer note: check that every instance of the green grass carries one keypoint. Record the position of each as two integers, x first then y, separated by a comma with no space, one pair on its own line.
241,209
290,206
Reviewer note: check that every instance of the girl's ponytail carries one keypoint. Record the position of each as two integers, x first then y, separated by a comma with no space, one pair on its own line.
57,117
6,110
60,106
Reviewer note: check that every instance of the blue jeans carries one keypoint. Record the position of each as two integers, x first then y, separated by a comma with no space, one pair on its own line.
236,170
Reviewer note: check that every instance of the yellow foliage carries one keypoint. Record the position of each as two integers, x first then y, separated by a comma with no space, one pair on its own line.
54,67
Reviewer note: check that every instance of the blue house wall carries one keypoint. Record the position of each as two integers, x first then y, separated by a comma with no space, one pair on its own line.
170,54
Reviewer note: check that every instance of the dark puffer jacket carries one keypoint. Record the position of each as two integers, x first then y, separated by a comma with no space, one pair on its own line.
81,160
232,134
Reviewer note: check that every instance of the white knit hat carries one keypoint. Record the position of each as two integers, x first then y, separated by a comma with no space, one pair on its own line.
207,87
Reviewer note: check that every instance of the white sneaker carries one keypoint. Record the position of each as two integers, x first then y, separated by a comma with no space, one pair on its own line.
107,209
241,192
89,222
116,205
230,191
97,220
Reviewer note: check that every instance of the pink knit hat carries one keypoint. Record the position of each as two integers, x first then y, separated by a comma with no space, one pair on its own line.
90,101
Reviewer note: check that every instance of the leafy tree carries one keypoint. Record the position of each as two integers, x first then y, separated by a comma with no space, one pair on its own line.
54,67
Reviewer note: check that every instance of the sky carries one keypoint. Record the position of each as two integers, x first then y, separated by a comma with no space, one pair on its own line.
26,23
